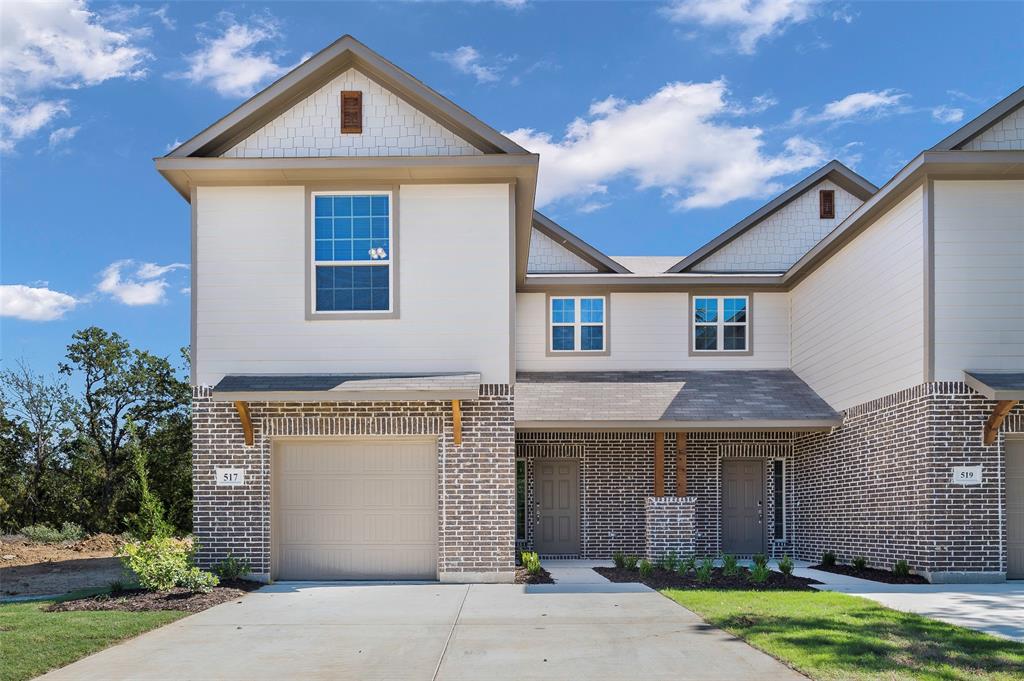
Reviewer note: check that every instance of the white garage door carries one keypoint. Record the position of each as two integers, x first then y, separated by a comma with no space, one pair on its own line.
355,510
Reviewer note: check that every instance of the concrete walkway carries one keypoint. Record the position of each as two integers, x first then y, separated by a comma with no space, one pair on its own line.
583,629
996,609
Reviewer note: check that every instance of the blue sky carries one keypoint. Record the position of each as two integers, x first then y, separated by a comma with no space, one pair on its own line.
659,124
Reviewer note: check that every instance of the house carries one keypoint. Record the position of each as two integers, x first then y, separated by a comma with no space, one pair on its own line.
402,370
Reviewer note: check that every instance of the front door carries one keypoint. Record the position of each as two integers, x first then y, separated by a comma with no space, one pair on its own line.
1014,509
557,497
742,506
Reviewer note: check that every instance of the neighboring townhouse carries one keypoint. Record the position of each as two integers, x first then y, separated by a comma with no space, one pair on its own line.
402,370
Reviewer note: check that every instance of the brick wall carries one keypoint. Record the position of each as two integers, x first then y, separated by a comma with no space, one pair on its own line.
476,524
670,526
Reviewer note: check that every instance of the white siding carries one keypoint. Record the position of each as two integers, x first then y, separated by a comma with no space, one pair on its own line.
1006,133
649,331
858,320
454,287
979,277
391,127
547,256
782,238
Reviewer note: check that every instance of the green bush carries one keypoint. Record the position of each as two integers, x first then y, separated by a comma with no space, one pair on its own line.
901,568
163,563
705,571
759,573
760,559
786,566
687,565
828,559
645,568
860,562
49,535
116,587
630,562
531,561
231,568
669,561
729,565
619,558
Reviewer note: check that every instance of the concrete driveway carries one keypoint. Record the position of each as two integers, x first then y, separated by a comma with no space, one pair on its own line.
432,631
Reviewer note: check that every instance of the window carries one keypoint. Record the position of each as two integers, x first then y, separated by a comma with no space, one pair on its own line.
352,253
779,502
520,502
827,204
720,324
577,324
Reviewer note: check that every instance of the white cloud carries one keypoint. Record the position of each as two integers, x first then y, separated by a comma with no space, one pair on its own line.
237,62
173,145
161,14
593,207
37,304
750,21
947,114
18,121
869,103
678,139
62,136
844,14
468,60
146,286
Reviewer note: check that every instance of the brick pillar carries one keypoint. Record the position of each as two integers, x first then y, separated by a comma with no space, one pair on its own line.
671,526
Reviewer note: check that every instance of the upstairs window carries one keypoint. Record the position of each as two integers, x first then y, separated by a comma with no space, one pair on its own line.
577,324
827,204
352,255
721,324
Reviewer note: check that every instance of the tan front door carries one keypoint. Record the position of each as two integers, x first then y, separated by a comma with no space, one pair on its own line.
557,495
1014,509
355,510
742,506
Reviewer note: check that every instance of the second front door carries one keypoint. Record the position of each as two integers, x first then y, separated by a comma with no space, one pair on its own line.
557,513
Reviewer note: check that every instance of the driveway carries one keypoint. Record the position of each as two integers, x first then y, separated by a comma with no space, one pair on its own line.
433,631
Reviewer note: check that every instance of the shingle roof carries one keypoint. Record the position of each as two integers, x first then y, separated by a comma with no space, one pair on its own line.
647,264
692,399
323,387
997,385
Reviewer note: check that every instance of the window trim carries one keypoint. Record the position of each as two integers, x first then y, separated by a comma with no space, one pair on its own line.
824,214
577,325
785,485
354,189
691,326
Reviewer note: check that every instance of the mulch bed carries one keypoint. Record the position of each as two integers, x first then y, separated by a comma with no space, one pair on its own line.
874,574
139,600
663,579
524,577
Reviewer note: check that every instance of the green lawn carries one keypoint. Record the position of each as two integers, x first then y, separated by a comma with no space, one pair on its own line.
837,636
33,641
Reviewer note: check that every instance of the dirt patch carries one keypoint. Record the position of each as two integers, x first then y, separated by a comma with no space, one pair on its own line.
30,568
524,577
873,574
663,579
139,600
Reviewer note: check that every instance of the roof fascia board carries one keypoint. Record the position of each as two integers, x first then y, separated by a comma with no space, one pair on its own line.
344,53
936,165
563,283
801,425
981,123
576,245
833,170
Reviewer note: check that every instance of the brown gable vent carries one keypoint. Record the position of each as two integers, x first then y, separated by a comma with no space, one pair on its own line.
351,112
827,204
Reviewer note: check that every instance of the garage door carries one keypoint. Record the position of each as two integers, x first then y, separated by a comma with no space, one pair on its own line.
1014,508
355,510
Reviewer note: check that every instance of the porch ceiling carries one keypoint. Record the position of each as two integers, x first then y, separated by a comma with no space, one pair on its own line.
669,400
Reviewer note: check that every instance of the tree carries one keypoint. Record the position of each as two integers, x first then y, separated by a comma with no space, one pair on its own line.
149,521
119,383
42,409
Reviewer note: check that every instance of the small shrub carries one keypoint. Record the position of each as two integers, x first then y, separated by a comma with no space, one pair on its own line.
901,568
828,559
630,562
531,561
729,565
116,587
645,567
705,571
619,558
163,563
669,561
198,581
49,535
760,559
759,573
231,568
786,566
687,565
859,563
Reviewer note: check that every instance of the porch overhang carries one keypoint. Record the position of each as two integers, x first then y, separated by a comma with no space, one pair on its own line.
1006,388
347,387
670,401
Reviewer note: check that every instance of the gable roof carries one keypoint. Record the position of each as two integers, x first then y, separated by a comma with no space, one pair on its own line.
576,245
980,124
339,56
833,170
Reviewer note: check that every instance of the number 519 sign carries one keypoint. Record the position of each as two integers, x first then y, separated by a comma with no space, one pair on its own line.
966,475
230,476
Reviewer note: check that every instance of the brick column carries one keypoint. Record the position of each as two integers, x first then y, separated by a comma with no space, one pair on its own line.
671,524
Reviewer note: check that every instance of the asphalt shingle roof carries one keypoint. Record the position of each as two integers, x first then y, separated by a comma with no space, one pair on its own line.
997,384
340,384
684,396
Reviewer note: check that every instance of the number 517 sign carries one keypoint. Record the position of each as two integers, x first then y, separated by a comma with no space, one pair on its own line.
230,476
966,475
